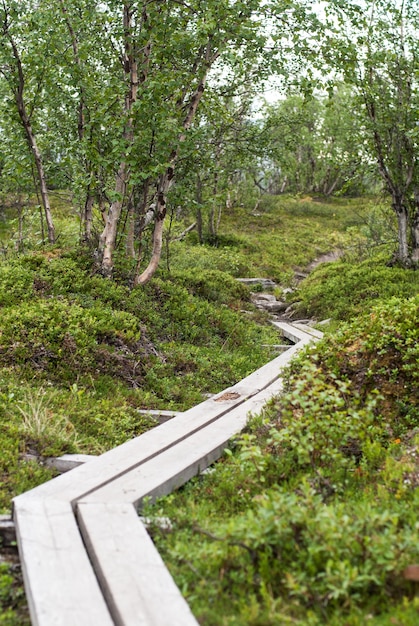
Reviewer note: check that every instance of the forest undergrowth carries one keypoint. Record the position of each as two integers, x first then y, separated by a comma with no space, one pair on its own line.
309,518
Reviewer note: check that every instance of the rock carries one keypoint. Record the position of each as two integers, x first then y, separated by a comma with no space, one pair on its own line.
275,307
329,257
29,457
292,309
263,297
268,302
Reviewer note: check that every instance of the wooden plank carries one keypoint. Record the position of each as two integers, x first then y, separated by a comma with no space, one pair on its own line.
159,416
176,465
67,462
158,413
136,583
293,333
60,585
100,471
317,334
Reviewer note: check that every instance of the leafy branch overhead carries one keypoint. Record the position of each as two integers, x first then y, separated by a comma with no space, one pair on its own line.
119,93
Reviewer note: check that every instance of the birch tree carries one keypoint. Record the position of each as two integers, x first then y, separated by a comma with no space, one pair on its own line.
315,144
168,53
376,49
25,84
172,47
125,84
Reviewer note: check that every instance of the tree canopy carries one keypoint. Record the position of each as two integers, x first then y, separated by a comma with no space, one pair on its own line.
115,101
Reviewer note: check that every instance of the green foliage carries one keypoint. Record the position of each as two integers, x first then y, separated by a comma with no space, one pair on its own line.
376,52
12,599
380,351
64,340
315,439
332,460
213,285
204,258
315,145
346,288
80,355
310,519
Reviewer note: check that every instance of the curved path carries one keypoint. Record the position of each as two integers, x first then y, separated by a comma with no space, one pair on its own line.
86,557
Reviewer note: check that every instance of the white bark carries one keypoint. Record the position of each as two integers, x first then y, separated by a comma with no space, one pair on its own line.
403,237
108,237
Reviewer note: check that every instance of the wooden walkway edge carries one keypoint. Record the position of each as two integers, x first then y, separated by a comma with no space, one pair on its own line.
86,556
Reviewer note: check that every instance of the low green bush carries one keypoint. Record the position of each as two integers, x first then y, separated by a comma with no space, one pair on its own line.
344,289
15,283
228,259
213,285
63,340
310,518
12,598
380,350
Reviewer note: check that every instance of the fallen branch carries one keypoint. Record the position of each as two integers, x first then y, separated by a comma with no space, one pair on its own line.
184,233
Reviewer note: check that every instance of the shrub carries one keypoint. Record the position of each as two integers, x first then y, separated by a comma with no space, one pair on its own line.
311,518
343,289
213,285
380,351
64,340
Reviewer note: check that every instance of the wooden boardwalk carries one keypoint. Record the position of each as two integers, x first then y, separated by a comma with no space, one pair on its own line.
86,557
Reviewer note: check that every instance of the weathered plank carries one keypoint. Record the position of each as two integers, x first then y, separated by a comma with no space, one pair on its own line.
136,583
61,586
317,334
67,462
159,416
158,413
176,465
90,476
297,332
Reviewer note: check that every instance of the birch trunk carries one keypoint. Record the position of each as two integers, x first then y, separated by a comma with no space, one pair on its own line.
160,213
198,200
403,232
108,237
415,237
41,177
165,183
130,229
18,91
167,179
88,216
